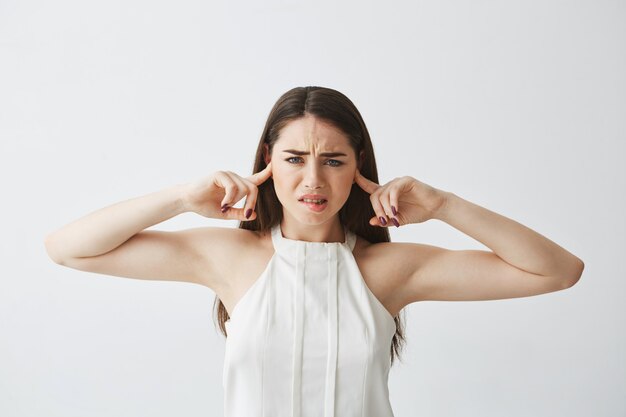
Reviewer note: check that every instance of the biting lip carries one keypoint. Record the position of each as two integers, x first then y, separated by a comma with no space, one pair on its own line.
312,197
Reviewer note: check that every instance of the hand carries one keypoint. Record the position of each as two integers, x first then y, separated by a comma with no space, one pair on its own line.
214,195
412,200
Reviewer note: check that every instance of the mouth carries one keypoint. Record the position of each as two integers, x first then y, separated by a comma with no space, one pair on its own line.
319,201
314,203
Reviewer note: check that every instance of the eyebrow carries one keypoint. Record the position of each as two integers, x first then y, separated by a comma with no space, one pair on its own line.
331,154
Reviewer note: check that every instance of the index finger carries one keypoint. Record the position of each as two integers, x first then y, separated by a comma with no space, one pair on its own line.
364,183
262,175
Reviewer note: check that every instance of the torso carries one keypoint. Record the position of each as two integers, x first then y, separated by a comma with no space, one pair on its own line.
383,276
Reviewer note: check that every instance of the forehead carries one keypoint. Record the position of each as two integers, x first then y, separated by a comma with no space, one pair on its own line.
309,133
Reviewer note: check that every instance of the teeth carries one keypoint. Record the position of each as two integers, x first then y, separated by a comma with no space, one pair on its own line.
312,201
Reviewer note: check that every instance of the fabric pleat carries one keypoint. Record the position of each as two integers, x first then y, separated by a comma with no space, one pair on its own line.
331,365
298,335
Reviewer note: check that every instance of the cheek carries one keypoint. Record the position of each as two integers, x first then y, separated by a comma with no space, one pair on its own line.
283,181
281,169
345,180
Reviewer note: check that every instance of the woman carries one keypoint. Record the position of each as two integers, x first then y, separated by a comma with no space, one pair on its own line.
309,285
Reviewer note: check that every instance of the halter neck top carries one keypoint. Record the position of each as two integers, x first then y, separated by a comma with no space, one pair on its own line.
308,338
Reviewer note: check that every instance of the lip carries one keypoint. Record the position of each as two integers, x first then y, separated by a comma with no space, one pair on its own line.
312,197
318,208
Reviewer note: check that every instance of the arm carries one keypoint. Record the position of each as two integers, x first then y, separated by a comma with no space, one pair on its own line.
511,241
105,229
112,241
523,262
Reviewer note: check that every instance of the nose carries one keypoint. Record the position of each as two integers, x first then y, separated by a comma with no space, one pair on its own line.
312,177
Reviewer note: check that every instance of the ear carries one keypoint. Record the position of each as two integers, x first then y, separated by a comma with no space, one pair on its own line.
359,163
266,153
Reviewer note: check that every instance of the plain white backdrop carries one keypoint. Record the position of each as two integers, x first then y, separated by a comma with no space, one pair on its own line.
518,106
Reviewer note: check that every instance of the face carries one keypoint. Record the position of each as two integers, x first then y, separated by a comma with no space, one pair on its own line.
312,157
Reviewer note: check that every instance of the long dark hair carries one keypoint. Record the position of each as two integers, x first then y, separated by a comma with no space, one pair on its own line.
335,108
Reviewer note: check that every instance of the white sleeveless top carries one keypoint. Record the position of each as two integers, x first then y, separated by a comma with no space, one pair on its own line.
308,338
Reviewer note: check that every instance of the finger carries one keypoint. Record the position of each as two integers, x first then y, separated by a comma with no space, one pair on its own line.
235,213
379,210
224,181
384,201
364,183
248,190
251,198
262,175
393,200
242,187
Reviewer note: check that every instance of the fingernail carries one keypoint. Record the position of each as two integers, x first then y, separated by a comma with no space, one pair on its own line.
225,208
383,221
248,213
393,219
393,210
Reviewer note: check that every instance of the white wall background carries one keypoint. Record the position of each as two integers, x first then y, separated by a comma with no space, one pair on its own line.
518,106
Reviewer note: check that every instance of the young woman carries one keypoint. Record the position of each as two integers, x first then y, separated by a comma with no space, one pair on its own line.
309,285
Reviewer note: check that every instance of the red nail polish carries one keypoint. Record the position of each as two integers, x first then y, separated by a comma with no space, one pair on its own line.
393,219
248,213
393,210
383,221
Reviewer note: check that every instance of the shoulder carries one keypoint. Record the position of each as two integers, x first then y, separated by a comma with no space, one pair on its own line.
388,251
389,266
382,254
224,238
222,249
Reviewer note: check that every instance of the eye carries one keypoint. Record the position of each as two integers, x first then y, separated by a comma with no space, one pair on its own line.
338,163
335,163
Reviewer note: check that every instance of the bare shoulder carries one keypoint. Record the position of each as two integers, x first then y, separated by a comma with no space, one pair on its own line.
223,238
231,256
400,257
387,267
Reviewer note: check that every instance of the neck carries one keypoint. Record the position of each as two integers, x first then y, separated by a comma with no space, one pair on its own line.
330,231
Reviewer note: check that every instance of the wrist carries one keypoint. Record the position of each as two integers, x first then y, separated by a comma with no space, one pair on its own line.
179,192
444,210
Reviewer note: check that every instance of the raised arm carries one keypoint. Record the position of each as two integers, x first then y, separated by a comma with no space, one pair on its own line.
521,262
105,229
112,240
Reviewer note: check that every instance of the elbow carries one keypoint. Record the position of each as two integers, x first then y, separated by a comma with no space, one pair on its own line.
574,276
52,251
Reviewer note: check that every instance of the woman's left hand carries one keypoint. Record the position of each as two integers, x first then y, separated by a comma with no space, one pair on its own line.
403,200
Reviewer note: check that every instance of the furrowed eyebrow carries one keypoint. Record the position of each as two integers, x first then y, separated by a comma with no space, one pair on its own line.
330,154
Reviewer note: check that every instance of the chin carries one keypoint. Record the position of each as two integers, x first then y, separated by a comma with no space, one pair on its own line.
312,218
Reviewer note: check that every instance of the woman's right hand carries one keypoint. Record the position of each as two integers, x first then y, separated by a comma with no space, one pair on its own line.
214,195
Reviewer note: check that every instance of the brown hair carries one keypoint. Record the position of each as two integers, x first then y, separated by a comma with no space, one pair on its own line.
335,108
